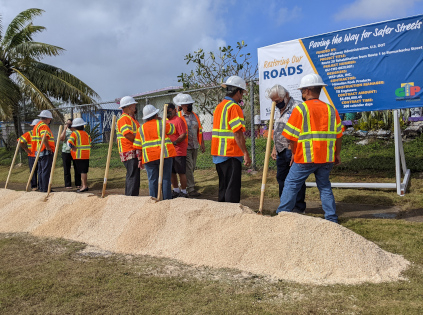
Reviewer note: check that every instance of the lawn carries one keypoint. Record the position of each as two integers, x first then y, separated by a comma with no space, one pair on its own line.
56,276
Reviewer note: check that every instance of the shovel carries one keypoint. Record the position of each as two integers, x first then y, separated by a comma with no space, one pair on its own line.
267,157
162,148
13,163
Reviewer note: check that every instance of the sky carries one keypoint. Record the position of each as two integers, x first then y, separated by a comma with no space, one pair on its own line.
128,47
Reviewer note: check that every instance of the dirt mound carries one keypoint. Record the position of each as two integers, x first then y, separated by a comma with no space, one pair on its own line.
202,232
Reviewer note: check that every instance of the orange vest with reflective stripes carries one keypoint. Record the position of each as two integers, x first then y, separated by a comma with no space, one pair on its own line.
227,119
200,127
149,140
82,141
27,138
315,126
126,124
37,135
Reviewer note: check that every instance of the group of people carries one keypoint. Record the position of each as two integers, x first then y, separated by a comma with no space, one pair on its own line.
307,139
76,148
140,146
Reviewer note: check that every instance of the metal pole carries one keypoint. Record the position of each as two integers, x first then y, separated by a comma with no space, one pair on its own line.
397,135
253,138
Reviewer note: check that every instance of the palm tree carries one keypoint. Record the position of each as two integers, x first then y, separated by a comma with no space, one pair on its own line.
22,74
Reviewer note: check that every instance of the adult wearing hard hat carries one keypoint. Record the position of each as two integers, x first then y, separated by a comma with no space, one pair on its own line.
180,160
281,148
314,130
127,126
149,138
25,142
194,139
46,148
80,145
67,157
228,143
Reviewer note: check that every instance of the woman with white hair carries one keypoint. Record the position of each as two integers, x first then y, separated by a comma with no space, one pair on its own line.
281,149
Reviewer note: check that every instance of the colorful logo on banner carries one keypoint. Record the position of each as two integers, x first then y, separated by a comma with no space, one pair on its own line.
407,91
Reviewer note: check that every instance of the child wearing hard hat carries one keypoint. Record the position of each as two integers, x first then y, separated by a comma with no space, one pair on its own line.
80,144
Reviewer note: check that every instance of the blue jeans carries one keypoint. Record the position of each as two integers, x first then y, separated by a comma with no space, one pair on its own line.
283,160
152,169
297,176
44,168
34,182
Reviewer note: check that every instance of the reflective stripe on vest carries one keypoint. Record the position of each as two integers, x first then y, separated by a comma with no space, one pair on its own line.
307,136
225,132
119,134
156,142
37,137
80,148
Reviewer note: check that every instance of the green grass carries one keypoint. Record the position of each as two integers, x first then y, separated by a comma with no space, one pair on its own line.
46,276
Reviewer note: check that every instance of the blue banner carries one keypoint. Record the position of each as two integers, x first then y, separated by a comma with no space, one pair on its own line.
372,67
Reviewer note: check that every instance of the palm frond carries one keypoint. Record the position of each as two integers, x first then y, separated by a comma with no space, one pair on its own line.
31,90
18,23
25,35
9,93
30,51
61,84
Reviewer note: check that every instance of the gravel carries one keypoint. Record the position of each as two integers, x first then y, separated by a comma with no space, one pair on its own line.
289,247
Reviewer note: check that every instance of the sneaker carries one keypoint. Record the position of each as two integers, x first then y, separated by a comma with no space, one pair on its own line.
194,193
175,194
181,194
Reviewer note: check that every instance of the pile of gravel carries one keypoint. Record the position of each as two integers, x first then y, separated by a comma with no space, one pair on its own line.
202,232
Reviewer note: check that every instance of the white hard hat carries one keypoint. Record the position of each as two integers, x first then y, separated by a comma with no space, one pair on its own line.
185,99
235,81
126,101
176,99
149,111
311,80
78,122
45,114
34,122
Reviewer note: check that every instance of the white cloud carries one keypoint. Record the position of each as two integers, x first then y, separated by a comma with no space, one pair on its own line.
125,47
364,9
282,14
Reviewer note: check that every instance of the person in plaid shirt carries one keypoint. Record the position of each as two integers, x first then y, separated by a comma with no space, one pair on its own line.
281,149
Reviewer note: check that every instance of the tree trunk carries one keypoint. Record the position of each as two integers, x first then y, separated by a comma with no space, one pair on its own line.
17,121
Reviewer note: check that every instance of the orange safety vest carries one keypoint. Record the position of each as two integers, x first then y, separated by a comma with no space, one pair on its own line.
126,124
27,138
315,126
37,135
149,140
82,141
227,119
199,130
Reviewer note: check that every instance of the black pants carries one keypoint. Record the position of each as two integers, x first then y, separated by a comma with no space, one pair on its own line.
282,162
229,180
67,160
132,184
44,169
31,160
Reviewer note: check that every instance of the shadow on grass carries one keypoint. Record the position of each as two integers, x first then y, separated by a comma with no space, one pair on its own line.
373,199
